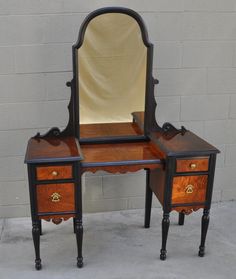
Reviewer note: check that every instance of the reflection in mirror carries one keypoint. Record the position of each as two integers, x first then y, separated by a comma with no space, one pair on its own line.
111,70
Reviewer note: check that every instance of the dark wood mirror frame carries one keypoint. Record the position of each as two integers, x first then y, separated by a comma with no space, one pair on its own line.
145,121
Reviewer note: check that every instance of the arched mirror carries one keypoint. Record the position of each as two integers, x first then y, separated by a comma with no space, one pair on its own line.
111,69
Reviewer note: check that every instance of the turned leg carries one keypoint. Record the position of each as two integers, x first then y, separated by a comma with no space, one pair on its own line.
205,223
79,239
36,239
181,218
148,202
40,227
165,228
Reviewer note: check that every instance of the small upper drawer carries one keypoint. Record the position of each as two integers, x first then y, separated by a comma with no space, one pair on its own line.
54,172
192,164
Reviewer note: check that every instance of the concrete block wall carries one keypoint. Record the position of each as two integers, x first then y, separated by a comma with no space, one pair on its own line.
195,61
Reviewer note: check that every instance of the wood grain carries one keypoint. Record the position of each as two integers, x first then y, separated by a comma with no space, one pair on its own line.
52,149
109,130
184,165
44,199
179,194
47,173
120,153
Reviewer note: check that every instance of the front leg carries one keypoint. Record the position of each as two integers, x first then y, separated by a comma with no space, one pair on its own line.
79,238
165,229
36,239
205,224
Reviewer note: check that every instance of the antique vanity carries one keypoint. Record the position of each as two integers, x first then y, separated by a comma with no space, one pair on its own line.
112,127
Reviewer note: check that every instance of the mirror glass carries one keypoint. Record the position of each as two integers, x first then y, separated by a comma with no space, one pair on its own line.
111,71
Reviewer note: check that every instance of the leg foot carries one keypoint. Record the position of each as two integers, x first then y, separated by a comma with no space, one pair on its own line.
181,218
79,239
205,224
165,229
36,239
148,201
201,252
163,255
38,265
80,262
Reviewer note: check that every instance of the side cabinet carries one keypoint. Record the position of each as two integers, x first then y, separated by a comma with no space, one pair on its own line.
55,188
184,184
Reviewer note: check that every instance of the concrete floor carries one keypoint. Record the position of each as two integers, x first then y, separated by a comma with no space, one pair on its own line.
117,246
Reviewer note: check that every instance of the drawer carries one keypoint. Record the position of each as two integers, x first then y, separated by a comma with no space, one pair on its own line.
189,189
55,197
192,164
54,172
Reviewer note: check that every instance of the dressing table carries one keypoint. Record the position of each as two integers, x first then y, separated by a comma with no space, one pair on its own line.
112,127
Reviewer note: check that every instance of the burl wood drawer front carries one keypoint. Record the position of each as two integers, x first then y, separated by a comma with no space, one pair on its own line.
55,197
54,172
189,189
191,165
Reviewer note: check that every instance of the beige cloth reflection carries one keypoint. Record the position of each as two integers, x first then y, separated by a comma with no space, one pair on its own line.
112,70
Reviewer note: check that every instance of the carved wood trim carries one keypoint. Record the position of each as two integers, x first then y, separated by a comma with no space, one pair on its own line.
187,210
120,169
56,219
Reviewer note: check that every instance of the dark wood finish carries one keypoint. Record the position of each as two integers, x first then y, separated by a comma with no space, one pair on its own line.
52,149
36,239
165,229
181,218
79,240
197,189
205,224
64,203
54,172
148,201
150,104
192,165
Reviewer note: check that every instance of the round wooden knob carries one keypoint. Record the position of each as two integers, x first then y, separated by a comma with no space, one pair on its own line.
55,173
193,166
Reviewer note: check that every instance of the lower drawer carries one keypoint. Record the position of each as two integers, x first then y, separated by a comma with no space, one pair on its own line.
55,198
189,189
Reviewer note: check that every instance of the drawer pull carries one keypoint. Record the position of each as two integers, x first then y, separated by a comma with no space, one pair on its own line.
56,197
193,166
55,173
189,189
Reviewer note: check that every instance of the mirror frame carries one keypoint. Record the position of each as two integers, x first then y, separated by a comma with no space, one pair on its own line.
149,90
148,125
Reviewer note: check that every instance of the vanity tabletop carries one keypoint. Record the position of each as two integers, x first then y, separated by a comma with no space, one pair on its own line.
52,149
